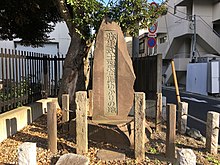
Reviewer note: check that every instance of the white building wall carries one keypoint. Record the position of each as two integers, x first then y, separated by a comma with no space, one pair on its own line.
174,23
7,44
203,8
201,50
180,31
58,37
216,12
48,48
61,35
184,48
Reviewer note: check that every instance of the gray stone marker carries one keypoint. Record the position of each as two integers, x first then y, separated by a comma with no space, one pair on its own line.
72,159
113,75
186,157
27,154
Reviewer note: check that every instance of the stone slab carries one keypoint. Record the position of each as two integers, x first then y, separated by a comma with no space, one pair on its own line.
108,155
72,159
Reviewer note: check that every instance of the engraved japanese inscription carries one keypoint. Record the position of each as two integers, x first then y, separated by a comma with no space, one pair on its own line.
110,73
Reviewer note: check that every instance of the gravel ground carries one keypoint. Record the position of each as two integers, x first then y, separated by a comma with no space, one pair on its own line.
155,148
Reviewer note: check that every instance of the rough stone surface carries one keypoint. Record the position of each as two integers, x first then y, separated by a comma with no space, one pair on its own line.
194,133
139,126
72,159
113,75
182,117
27,154
186,157
107,155
81,123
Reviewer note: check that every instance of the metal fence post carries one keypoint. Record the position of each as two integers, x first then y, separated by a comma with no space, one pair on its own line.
55,76
45,69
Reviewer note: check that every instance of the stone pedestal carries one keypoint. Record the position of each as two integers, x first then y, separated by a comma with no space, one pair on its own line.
118,133
27,154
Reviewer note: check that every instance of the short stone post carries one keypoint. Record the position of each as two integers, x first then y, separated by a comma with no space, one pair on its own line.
65,108
212,132
158,117
171,131
27,154
81,123
52,126
186,157
182,117
139,126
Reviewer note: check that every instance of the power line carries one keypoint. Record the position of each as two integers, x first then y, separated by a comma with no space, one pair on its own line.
175,9
182,18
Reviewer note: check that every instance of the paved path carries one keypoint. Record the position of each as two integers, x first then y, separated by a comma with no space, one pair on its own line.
199,105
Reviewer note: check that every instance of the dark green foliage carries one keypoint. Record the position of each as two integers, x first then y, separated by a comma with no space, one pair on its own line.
88,14
30,20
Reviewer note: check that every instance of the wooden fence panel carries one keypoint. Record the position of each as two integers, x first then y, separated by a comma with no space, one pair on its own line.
148,71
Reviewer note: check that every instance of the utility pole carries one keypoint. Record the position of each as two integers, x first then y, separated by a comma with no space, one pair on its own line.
194,39
135,40
135,46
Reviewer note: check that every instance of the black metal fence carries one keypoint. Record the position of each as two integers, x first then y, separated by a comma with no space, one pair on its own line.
27,76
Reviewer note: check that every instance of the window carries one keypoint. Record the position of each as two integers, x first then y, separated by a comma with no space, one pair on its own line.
141,46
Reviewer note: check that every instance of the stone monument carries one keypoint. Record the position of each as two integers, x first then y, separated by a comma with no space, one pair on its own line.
113,74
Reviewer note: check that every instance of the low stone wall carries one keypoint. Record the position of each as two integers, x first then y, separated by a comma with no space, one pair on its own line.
14,120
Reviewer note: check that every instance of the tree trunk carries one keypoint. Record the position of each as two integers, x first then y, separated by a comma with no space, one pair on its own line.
73,78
